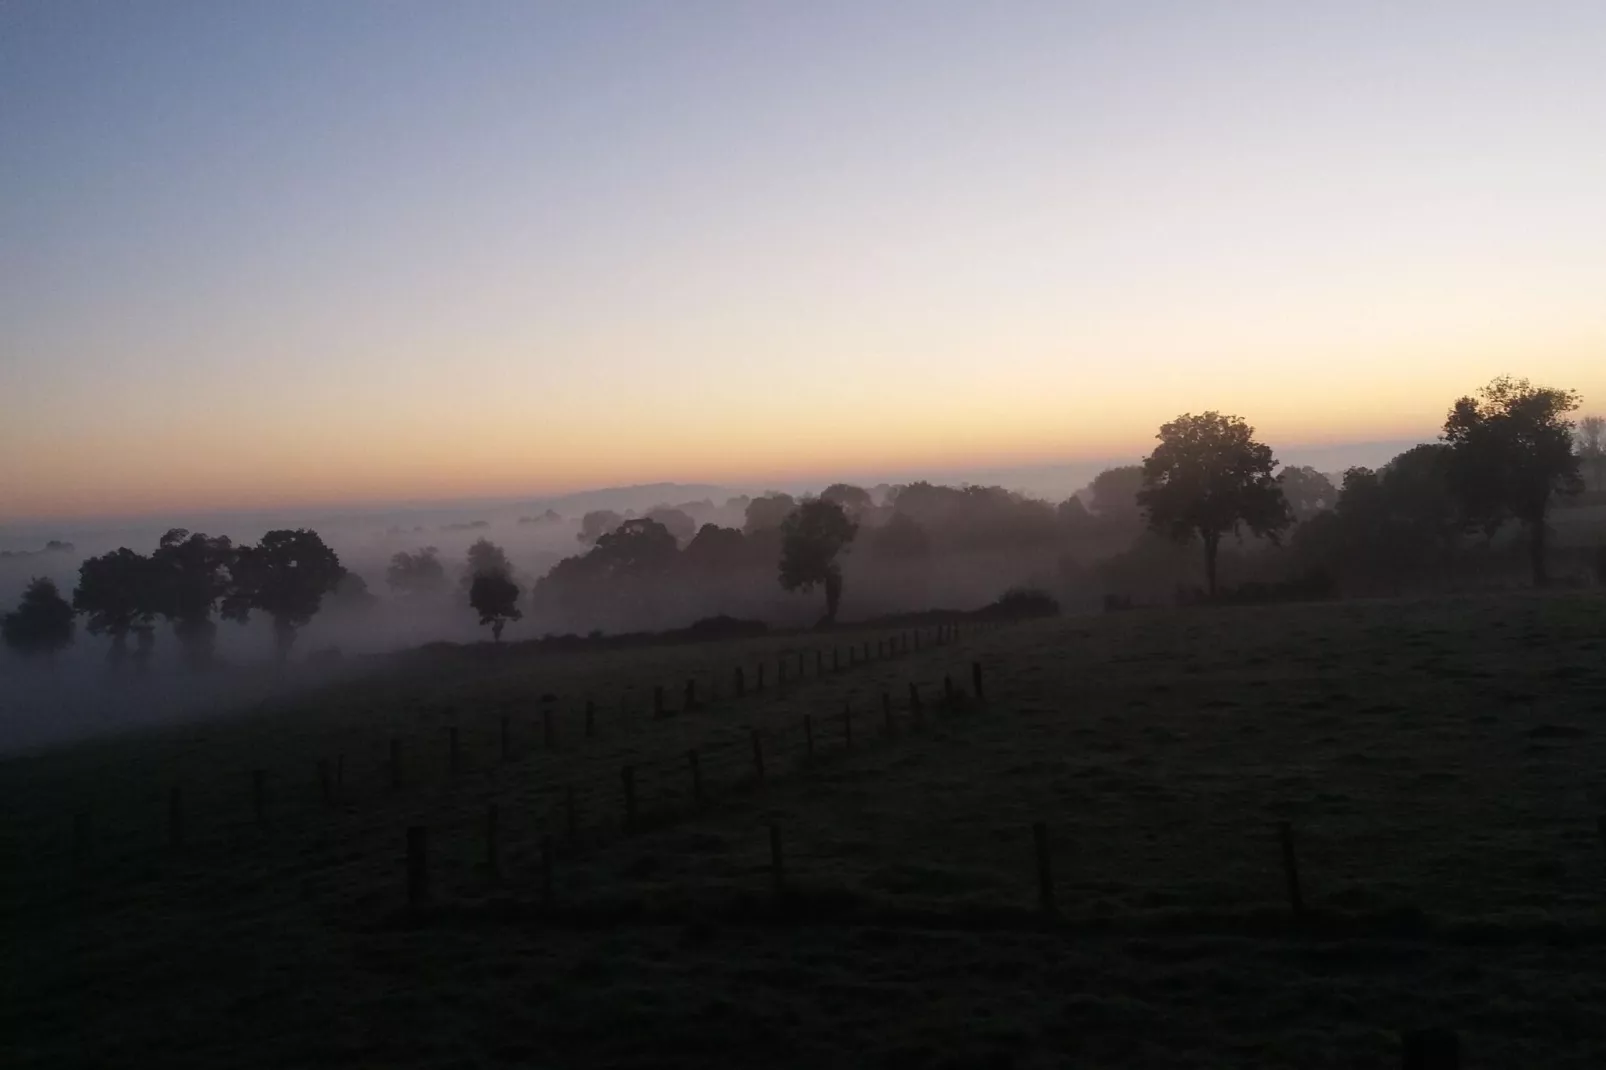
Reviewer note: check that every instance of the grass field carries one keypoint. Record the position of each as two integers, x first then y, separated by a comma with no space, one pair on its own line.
1439,764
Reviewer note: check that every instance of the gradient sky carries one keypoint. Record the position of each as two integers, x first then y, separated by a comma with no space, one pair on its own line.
255,253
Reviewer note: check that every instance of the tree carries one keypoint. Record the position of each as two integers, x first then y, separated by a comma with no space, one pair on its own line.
767,513
598,523
115,593
1511,452
1592,447
191,576
417,573
1115,495
495,597
1307,491
485,558
813,536
715,549
285,576
41,624
900,539
1207,477
676,521
855,501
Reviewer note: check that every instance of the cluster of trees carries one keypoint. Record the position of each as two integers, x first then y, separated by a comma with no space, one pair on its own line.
1506,456
187,579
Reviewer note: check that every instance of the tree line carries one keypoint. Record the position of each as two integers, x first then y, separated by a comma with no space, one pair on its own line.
1506,455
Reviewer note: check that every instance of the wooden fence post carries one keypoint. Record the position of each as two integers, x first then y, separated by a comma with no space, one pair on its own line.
395,764
628,775
948,689
548,739
507,740
591,719
546,871
340,778
780,672
741,683
777,861
696,779
758,754
914,699
1296,902
324,789
417,867
1431,1049
819,664
1045,868
658,700
760,681
808,734
847,724
691,694
886,711
451,749
175,816
572,817
975,681
866,656
259,796
493,852
836,659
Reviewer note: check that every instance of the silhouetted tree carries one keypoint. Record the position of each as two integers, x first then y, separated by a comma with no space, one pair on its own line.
1115,494
675,521
417,573
767,513
351,595
1307,492
1072,515
714,549
485,558
285,575
855,501
42,623
1511,452
598,523
1592,448
116,593
1207,477
192,575
813,536
495,597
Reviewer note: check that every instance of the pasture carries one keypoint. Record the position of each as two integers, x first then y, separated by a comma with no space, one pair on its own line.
1438,763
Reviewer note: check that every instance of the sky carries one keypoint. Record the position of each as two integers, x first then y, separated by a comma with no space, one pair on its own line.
262,253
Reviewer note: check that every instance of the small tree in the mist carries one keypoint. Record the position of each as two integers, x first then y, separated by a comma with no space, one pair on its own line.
855,501
192,574
1307,492
41,624
598,523
1209,477
1511,453
495,597
1115,494
484,559
813,536
676,521
286,576
1592,448
115,593
418,573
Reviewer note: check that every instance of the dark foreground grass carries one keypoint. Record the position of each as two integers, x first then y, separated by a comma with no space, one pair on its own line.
1439,763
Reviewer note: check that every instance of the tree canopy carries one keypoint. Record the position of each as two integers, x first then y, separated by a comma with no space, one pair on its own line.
116,594
192,575
495,597
285,575
1209,477
417,573
1511,453
813,536
42,623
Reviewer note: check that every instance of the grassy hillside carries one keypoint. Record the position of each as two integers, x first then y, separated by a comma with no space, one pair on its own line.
1438,764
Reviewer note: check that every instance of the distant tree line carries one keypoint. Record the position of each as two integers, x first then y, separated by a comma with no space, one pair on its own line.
1209,499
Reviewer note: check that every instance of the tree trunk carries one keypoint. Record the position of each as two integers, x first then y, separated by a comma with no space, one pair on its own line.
833,595
1536,550
119,651
1212,542
496,630
284,637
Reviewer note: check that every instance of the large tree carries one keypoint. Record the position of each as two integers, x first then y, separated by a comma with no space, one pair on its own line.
1592,447
813,536
1307,491
485,558
1115,494
767,512
115,592
1209,477
191,575
495,597
1511,453
285,576
41,624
